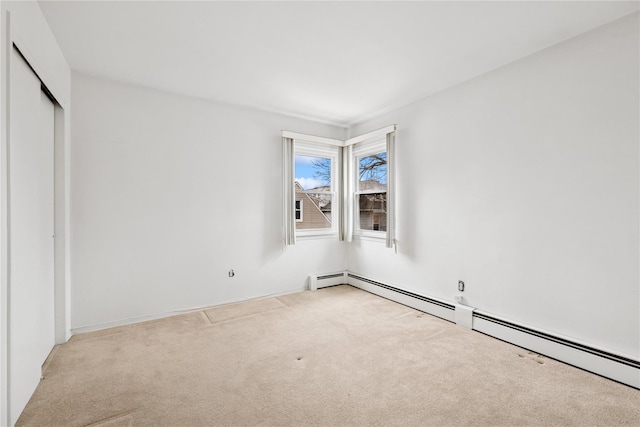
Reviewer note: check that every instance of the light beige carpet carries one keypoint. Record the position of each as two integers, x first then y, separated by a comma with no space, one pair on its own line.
334,357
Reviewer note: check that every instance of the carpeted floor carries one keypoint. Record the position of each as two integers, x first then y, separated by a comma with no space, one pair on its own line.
335,357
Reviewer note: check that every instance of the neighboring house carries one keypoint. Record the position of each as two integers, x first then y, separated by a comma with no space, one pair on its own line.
312,210
373,205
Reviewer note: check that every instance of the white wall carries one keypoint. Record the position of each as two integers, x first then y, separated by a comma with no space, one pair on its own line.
169,193
524,183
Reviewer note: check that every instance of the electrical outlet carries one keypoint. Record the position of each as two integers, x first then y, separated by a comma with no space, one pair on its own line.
232,273
460,285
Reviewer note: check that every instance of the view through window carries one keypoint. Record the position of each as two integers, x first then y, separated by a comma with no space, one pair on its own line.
371,192
314,192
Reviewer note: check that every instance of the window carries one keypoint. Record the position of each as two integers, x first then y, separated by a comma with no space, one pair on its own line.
339,188
298,209
315,185
370,188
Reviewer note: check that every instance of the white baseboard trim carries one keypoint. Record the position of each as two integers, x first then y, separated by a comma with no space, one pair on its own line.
618,367
122,322
140,319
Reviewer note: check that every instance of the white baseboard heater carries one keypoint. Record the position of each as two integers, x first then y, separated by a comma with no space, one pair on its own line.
326,280
433,306
617,367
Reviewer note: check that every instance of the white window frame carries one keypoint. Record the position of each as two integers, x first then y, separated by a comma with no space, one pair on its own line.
344,175
360,150
321,150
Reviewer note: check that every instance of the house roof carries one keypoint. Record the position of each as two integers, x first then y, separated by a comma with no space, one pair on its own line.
320,203
371,185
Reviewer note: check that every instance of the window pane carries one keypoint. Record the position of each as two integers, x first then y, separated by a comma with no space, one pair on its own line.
317,210
373,211
298,210
313,173
372,172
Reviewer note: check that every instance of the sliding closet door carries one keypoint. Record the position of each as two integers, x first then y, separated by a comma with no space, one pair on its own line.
31,246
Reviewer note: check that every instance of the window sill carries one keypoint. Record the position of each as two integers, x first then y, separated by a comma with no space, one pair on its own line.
372,236
317,235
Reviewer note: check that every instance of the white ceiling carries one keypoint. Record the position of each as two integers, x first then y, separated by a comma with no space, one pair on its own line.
338,62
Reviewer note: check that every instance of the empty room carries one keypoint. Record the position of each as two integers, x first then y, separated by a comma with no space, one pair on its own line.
319,213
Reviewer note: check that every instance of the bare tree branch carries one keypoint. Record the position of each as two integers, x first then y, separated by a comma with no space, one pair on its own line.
373,167
323,170
369,168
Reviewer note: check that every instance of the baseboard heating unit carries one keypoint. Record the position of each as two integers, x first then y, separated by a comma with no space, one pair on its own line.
326,280
432,306
617,367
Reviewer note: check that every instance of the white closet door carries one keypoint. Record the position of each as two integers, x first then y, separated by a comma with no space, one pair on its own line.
31,246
